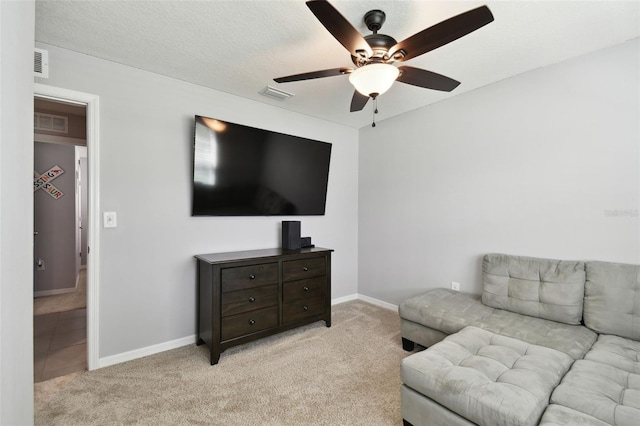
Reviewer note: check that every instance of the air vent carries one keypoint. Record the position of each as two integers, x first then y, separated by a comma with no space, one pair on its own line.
50,122
280,95
41,63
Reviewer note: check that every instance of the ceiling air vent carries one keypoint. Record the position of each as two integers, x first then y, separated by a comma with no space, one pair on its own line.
280,95
41,63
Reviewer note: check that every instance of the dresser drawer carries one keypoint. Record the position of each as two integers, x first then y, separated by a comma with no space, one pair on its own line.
302,309
305,268
237,302
293,291
249,322
242,277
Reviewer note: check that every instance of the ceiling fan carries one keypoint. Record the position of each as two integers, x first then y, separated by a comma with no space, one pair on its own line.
374,54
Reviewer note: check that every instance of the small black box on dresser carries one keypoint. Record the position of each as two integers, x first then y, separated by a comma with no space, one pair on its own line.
291,234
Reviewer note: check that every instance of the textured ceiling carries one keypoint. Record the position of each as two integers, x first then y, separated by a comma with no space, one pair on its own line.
240,46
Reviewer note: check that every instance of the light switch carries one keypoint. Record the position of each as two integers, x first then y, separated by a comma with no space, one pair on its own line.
110,220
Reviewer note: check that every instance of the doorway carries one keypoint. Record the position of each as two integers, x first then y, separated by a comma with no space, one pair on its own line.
78,325
60,297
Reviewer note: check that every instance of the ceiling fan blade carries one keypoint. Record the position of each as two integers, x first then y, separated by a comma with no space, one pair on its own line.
314,74
340,28
427,79
358,101
442,33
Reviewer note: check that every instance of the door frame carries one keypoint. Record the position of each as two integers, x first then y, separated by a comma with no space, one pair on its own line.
92,103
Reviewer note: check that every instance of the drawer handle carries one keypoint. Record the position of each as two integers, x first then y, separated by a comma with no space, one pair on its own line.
252,277
252,299
305,269
251,322
305,307
305,288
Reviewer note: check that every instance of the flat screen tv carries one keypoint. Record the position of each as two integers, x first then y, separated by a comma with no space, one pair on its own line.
243,171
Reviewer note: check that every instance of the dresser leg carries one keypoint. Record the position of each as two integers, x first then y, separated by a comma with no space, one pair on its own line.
214,358
199,341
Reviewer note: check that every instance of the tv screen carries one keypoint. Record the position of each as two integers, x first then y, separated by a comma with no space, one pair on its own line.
244,171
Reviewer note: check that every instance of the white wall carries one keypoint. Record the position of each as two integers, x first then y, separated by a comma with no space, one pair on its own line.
544,164
16,207
147,270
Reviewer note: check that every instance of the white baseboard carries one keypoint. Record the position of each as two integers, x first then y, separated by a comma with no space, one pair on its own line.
53,292
378,302
343,299
59,290
149,350
191,340
358,296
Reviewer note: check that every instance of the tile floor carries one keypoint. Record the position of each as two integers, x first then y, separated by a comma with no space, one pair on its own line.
59,344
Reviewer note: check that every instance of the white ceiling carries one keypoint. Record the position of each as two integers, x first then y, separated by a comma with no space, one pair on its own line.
240,46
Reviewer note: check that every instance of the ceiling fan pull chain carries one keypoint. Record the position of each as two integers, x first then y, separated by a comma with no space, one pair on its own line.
375,111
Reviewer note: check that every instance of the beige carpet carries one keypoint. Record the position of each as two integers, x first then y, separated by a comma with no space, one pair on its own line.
344,375
63,302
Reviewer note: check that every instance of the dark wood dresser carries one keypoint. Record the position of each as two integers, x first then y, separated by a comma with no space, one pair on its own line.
247,295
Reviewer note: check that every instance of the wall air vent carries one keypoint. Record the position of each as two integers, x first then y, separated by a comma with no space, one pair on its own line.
50,122
41,63
278,94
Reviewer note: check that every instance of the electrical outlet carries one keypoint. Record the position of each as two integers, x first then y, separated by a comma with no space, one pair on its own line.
455,286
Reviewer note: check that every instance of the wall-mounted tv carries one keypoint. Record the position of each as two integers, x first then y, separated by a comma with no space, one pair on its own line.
243,171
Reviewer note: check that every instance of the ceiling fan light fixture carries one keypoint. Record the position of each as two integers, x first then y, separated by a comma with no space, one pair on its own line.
374,79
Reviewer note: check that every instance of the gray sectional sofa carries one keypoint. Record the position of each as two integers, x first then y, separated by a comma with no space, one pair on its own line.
548,342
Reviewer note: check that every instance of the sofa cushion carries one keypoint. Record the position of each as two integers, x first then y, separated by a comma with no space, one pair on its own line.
444,310
487,378
573,340
558,415
543,288
612,299
602,391
617,352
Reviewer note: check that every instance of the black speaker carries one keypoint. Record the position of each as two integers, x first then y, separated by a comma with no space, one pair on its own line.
291,234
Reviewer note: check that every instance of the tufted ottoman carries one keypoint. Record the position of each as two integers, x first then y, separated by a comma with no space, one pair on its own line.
486,378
